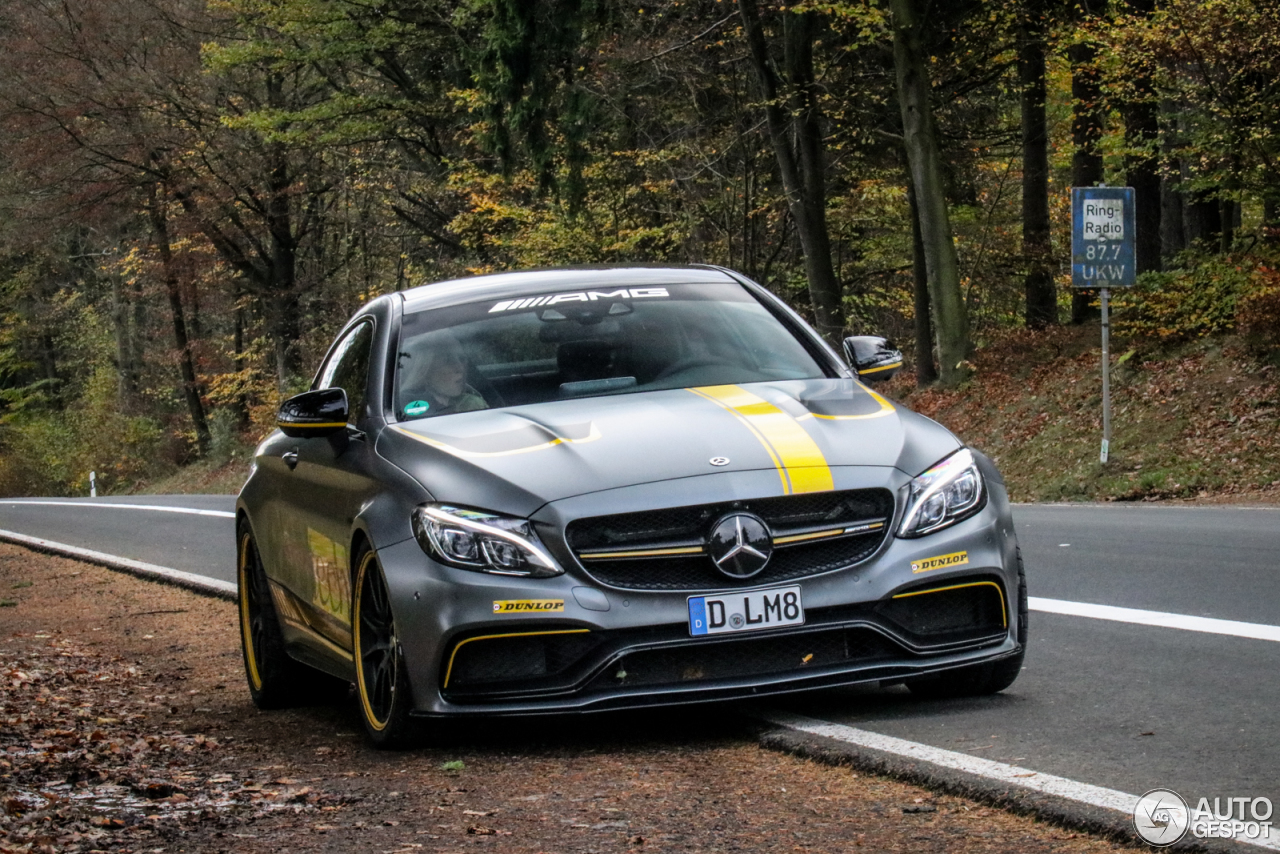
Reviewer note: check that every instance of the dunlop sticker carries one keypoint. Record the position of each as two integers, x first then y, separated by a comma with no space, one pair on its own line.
953,559
520,606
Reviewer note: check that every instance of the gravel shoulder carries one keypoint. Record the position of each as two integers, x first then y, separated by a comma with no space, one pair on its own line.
125,726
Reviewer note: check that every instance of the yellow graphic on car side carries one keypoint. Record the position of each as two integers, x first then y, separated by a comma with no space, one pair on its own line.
928,563
798,459
525,606
329,567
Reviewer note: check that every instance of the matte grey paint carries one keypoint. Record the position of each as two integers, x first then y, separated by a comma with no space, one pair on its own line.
649,450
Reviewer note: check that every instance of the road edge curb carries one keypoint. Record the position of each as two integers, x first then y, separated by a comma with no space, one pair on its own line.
148,571
1052,809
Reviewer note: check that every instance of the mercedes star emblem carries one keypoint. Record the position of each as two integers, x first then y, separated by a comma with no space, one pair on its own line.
740,545
719,461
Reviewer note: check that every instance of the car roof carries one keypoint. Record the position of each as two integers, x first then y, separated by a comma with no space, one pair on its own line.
498,286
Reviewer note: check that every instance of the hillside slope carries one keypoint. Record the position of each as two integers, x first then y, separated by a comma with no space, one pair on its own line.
1198,422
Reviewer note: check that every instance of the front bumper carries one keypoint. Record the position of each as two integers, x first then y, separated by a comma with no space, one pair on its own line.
586,647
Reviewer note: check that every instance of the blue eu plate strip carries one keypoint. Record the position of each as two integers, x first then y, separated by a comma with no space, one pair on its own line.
698,615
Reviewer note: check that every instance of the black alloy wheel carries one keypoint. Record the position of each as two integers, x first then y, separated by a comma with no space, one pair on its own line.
274,678
381,680
276,681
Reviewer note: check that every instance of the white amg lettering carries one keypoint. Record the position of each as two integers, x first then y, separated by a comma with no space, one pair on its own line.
578,296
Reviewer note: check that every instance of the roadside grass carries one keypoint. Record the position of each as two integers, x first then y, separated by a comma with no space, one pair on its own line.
1192,421
204,477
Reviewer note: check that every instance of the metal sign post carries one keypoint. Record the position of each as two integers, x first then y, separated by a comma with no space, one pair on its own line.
1103,256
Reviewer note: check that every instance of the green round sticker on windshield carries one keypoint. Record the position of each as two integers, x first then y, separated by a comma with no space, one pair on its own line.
417,407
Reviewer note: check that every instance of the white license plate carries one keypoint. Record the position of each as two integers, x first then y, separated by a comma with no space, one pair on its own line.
745,612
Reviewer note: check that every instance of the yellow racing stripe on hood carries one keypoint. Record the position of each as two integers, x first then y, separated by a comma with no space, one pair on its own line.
800,463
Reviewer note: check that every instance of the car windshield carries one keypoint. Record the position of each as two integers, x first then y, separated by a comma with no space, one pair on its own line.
615,340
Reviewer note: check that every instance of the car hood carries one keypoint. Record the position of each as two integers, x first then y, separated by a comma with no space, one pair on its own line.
518,458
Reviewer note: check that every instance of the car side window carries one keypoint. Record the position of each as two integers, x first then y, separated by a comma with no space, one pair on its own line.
348,369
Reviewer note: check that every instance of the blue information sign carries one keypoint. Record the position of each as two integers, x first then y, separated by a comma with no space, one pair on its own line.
1103,237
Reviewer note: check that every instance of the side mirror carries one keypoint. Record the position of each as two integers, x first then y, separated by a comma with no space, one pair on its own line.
313,413
872,357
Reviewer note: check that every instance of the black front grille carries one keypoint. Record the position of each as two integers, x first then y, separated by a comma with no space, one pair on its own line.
685,526
744,657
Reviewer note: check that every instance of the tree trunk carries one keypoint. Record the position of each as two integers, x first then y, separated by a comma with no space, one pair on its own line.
926,371
241,405
921,143
1231,216
126,376
801,169
1173,238
1037,248
1142,165
283,302
1271,220
1202,216
1087,117
186,363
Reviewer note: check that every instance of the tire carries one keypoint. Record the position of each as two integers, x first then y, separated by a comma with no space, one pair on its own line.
276,681
382,681
976,680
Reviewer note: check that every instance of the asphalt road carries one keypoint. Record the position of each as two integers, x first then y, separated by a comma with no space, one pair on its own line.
205,545
1127,707
1124,706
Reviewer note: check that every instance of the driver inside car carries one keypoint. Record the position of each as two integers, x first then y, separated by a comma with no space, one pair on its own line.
434,378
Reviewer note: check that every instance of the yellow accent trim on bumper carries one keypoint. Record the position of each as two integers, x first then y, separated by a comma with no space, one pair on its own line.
684,550
816,535
449,670
458,452
797,457
1004,608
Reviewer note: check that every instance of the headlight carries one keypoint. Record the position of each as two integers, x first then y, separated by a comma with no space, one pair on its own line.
943,495
484,542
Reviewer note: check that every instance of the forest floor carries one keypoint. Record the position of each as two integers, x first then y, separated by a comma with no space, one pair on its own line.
125,726
1197,422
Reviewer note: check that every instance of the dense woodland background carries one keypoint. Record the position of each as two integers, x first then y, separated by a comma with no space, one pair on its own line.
196,194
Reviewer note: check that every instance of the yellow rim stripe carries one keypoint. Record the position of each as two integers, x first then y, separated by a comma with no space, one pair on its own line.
798,459
684,550
1004,609
355,645
246,625
458,452
881,368
449,670
885,409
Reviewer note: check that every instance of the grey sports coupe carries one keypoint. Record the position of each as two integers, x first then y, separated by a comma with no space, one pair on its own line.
588,489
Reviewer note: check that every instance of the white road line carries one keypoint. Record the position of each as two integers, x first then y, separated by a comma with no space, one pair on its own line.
225,514
1257,631
1011,775
222,589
